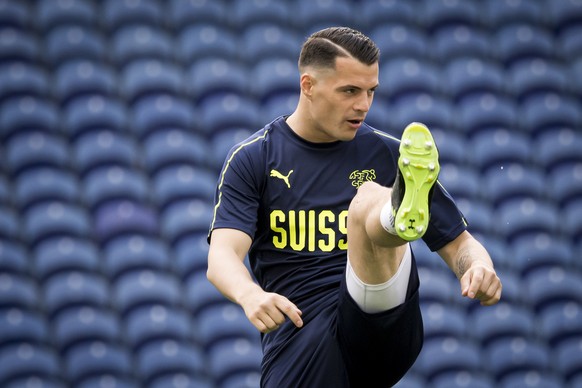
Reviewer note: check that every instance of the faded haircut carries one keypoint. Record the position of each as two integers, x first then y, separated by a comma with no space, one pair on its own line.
323,47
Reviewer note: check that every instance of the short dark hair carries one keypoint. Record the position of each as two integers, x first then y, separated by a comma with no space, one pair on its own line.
323,47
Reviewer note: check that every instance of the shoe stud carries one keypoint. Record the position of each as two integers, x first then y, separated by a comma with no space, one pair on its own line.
407,142
419,229
405,161
431,167
428,145
402,227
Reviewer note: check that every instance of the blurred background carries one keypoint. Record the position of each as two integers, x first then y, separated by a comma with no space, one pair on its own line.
115,117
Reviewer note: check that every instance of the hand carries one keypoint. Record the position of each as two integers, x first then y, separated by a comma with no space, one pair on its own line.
267,310
482,283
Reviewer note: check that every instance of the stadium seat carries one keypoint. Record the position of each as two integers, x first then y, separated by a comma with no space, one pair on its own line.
568,359
45,184
565,14
269,40
561,322
23,326
547,112
557,148
141,41
106,184
162,113
485,111
440,14
441,320
13,257
284,105
184,218
54,13
473,75
376,13
505,12
533,378
448,354
548,286
73,42
28,113
519,354
248,13
55,218
396,39
224,322
522,217
9,223
201,295
462,41
22,360
572,216
274,77
145,288
150,77
15,14
437,286
169,357
93,112
405,76
311,15
478,213
229,111
537,76
540,251
570,47
502,151
434,112
119,14
461,181
511,281
501,322
183,14
519,41
181,379
5,191
463,379
216,76
191,255
95,358
207,40
83,77
233,357
134,252
157,322
62,254
174,147
107,151
242,380
121,217
19,79
509,181
85,324
412,379
566,183
70,289
105,379
183,182
18,45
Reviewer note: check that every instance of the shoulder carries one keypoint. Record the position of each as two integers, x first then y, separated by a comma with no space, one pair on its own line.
372,135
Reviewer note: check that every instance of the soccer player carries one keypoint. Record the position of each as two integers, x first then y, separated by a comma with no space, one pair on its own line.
325,207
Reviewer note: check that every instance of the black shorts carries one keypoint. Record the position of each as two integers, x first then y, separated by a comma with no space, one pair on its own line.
346,347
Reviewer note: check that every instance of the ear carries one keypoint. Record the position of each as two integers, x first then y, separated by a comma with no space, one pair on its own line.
307,82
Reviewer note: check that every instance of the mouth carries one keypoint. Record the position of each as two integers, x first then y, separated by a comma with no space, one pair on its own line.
355,122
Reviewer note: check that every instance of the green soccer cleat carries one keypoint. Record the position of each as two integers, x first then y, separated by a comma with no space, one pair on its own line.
418,169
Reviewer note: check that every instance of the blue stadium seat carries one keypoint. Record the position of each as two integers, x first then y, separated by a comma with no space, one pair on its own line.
134,252
181,379
120,217
434,112
72,289
506,12
540,251
438,286
45,184
405,76
516,355
485,111
171,147
55,218
93,112
512,282
54,13
119,14
183,14
201,295
5,191
441,320
83,77
84,324
269,40
19,361
233,357
13,257
207,40
150,77
557,148
157,322
23,326
145,288
548,286
62,254
191,255
501,322
91,359
511,181
376,13
283,105
217,76
224,322
522,217
478,213
549,112
561,322
462,41
440,14
141,41
379,115
247,13
105,379
76,41
19,79
183,182
18,45
533,378
568,359
461,181
242,380
105,150
472,75
463,379
397,39
519,41
15,14
503,151
9,223
161,113
570,48
229,111
448,354
18,291
106,184
274,77
566,183
311,15
184,218
537,76
28,114
169,357
572,216
564,14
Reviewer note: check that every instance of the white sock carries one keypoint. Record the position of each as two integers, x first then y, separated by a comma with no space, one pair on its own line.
387,219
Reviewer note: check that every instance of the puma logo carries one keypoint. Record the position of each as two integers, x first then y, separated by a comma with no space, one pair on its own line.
285,178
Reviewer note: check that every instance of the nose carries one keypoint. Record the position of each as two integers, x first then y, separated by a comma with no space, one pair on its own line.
363,103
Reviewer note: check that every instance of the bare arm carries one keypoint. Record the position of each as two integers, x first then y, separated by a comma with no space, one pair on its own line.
472,264
226,270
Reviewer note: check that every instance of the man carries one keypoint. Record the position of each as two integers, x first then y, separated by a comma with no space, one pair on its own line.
335,314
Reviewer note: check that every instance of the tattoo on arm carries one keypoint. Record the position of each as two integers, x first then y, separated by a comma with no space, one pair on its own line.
463,262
